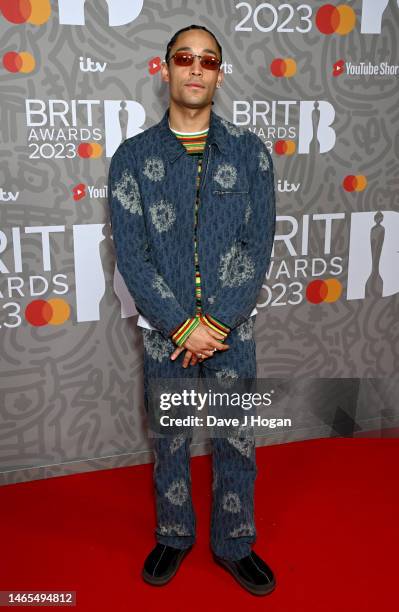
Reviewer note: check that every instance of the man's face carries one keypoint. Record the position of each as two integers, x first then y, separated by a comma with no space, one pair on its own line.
182,79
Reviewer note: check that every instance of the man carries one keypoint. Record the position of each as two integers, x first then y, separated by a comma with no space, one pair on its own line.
192,208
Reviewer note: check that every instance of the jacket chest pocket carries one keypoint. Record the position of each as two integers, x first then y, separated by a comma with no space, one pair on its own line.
232,196
229,209
240,188
232,201
231,191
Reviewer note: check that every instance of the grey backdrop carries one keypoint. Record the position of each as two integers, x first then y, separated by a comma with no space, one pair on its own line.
72,397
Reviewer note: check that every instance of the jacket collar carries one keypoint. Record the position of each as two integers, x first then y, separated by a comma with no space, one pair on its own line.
173,147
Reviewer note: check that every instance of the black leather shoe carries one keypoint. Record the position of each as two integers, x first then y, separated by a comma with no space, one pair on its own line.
162,563
251,572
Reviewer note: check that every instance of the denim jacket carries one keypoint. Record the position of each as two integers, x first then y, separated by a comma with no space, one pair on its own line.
151,194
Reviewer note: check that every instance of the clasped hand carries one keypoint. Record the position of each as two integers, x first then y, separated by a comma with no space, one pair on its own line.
202,340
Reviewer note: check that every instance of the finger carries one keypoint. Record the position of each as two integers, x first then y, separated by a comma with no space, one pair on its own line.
187,358
218,337
205,354
194,360
223,347
220,347
214,341
177,352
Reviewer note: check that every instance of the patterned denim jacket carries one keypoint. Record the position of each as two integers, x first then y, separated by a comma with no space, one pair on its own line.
151,189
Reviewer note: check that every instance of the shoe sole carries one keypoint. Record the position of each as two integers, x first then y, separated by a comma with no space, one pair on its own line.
159,581
252,588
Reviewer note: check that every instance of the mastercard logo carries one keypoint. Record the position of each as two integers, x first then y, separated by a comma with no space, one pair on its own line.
35,12
90,150
284,147
332,19
47,312
283,67
318,291
19,62
355,183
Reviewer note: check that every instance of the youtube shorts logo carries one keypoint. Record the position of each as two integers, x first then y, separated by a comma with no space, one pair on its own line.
79,191
339,68
154,65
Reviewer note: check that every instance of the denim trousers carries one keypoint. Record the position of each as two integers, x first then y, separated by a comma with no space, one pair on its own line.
232,530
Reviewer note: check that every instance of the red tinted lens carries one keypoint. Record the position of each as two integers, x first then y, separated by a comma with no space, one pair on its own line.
210,62
183,59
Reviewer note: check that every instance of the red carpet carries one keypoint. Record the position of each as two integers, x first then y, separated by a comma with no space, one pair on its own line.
327,520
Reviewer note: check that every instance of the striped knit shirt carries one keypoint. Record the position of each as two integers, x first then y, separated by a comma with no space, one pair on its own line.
194,143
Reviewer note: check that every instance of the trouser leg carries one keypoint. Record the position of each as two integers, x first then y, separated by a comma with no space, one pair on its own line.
233,529
175,515
172,484
233,517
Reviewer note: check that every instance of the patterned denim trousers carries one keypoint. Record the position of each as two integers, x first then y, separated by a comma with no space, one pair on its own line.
233,528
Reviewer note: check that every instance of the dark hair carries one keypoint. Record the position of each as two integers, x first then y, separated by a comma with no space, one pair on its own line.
190,27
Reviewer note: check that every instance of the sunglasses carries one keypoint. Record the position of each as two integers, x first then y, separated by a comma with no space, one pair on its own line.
182,58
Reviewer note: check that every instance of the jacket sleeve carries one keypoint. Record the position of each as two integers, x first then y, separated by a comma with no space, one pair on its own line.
250,255
153,297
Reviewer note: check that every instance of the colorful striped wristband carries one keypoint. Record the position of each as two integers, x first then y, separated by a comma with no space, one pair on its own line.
183,332
215,324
